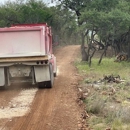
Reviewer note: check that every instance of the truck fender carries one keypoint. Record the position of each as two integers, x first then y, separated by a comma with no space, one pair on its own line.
2,76
54,66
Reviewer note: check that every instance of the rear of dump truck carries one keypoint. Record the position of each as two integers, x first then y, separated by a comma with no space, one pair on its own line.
26,55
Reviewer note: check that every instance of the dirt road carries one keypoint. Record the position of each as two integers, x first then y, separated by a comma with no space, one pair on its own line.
24,107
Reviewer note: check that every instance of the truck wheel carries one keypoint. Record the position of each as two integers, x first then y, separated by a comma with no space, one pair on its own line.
41,85
5,87
55,74
49,84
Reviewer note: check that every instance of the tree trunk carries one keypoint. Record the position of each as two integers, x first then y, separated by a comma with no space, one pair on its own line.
83,49
103,54
91,57
90,47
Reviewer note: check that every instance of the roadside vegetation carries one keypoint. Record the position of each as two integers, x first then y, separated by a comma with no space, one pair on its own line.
107,103
95,25
109,19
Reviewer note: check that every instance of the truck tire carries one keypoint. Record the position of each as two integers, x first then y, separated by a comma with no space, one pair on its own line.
55,74
49,84
42,85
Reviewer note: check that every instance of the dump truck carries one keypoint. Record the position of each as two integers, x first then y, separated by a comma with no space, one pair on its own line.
26,55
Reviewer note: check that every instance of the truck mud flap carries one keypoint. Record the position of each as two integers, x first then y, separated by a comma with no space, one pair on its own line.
48,84
2,76
42,73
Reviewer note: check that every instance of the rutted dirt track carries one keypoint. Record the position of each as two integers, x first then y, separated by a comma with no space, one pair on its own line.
44,109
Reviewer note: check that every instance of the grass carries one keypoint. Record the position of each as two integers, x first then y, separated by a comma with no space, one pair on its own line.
107,110
108,66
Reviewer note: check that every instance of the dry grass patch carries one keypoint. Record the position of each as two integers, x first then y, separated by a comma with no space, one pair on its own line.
108,104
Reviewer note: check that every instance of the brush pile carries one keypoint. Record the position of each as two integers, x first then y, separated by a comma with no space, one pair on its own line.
112,79
122,56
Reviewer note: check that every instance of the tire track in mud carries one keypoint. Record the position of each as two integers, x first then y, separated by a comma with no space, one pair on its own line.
19,105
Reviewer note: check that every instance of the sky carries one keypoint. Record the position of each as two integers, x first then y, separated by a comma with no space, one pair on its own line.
3,1
48,2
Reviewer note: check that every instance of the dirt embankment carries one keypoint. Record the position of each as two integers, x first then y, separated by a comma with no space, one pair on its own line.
45,109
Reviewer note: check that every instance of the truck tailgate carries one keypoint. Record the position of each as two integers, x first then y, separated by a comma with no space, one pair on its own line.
22,42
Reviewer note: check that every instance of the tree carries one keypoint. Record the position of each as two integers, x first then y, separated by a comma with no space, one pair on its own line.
32,11
108,19
77,6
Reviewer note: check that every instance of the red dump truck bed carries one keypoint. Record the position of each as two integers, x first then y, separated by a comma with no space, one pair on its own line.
25,40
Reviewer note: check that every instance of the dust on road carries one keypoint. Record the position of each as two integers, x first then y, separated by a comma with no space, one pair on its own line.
47,109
